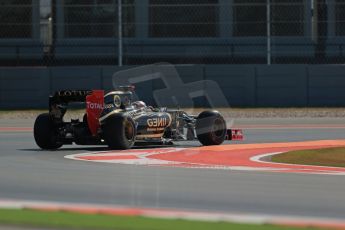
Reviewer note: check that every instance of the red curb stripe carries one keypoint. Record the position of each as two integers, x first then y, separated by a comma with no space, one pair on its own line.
237,157
178,214
88,210
174,214
16,129
233,156
309,224
99,158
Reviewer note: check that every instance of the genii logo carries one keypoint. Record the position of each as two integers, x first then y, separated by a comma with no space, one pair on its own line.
157,122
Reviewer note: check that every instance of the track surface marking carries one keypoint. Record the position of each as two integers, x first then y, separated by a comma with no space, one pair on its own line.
230,157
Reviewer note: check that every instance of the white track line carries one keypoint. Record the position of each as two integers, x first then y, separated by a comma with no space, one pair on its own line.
259,159
141,154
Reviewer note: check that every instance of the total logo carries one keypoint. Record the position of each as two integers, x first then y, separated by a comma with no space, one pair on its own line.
91,105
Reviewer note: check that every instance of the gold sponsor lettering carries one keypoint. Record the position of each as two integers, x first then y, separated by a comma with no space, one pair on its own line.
157,122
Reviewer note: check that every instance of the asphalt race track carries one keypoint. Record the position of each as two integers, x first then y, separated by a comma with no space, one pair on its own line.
27,173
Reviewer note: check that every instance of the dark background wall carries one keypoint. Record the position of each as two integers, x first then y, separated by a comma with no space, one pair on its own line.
243,85
74,32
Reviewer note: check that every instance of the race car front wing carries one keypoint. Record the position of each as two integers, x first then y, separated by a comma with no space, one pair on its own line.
234,135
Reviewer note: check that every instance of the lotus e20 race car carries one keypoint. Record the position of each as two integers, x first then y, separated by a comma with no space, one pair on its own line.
115,120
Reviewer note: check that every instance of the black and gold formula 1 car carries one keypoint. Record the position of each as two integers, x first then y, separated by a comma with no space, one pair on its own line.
114,119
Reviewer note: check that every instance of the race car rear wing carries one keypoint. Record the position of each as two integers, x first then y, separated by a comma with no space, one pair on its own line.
59,101
94,104
66,96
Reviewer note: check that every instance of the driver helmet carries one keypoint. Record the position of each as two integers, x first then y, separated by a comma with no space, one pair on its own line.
139,104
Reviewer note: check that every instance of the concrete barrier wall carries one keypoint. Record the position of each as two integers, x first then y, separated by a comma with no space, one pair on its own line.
242,85
281,85
237,82
326,85
24,87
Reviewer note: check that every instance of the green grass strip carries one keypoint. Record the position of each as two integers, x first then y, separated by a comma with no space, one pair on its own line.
66,220
334,157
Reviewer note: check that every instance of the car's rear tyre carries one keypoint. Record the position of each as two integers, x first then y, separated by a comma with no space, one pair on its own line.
210,128
45,133
119,132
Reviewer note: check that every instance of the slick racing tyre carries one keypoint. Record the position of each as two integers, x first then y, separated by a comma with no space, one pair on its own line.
210,128
45,133
119,132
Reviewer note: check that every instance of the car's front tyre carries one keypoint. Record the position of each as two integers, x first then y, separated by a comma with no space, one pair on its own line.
45,133
210,128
